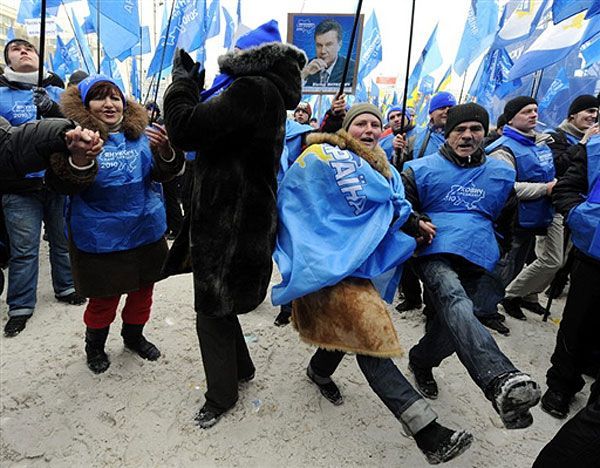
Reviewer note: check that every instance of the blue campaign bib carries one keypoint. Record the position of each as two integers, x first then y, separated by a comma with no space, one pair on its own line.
123,209
435,142
463,204
338,217
584,219
534,163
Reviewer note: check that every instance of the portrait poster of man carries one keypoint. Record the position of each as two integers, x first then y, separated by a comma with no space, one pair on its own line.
325,39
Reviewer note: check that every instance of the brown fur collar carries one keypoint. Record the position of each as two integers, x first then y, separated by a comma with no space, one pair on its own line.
135,118
376,157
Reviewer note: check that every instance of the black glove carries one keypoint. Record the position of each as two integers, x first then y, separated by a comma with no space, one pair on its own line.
184,67
42,100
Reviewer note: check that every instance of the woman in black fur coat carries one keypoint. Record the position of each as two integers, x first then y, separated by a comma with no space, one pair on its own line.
237,129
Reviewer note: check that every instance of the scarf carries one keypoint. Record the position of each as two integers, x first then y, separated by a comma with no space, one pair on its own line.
22,77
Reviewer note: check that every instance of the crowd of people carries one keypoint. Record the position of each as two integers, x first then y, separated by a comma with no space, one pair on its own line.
355,210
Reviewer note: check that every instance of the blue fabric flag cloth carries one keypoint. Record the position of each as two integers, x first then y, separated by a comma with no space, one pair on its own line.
338,218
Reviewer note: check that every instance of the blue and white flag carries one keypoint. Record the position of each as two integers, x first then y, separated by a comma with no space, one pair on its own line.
371,52
134,80
492,79
591,53
83,45
424,63
564,9
593,10
553,45
561,82
108,67
213,19
521,23
238,11
119,25
32,9
139,48
356,233
480,28
10,34
88,25
374,94
192,29
229,29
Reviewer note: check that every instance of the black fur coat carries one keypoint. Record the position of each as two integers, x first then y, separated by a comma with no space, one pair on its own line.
238,137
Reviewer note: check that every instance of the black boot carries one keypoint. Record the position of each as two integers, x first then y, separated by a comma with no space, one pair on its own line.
440,444
95,339
135,341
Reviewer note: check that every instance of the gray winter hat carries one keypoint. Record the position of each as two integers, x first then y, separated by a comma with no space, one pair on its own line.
358,109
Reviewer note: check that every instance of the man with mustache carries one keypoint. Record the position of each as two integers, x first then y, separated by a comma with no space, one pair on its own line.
467,196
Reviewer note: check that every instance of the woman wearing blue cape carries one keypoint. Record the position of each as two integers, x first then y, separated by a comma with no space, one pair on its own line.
344,231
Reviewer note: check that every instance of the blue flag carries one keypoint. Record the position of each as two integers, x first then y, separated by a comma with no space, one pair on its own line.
119,25
418,69
108,67
192,31
492,78
229,29
561,81
371,52
374,94
10,34
32,9
88,25
520,24
134,79
563,9
83,45
591,53
356,233
213,19
478,35
361,92
593,10
238,11
136,50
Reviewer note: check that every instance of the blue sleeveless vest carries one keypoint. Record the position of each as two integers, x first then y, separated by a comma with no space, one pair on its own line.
534,164
436,140
584,219
16,106
123,209
463,203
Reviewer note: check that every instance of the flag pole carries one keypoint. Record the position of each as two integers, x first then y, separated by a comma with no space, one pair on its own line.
537,81
462,88
153,116
42,50
98,33
75,35
410,39
350,46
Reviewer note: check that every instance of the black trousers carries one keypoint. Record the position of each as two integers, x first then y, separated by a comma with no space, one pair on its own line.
411,287
577,444
225,357
579,331
172,192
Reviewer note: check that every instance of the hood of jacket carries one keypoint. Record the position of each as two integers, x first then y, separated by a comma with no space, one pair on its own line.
135,118
280,63
376,158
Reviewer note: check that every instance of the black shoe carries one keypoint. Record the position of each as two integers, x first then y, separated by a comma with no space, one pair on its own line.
494,323
135,341
556,403
440,444
207,418
406,305
512,395
283,318
72,299
171,236
511,306
534,307
327,387
15,325
426,384
97,359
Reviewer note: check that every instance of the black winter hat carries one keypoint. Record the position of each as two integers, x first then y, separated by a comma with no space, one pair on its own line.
470,112
501,122
583,102
24,41
514,106
77,77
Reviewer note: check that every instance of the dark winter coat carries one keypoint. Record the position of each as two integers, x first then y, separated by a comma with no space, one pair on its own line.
21,184
563,151
238,137
111,274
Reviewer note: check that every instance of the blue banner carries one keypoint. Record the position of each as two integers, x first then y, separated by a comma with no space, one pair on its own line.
83,45
229,29
213,19
371,52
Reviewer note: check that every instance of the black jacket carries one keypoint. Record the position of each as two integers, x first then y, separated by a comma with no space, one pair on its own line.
563,151
504,225
238,137
20,184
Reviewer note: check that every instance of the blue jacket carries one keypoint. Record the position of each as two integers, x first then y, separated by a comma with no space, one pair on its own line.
534,163
463,204
123,208
584,219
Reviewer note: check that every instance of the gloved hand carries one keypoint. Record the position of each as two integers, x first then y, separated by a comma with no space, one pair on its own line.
42,100
185,67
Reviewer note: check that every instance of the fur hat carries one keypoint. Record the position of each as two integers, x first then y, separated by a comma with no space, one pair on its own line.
583,102
470,112
21,41
441,99
358,109
514,106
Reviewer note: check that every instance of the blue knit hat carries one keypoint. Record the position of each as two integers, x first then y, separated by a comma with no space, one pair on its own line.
396,109
441,99
92,80
268,32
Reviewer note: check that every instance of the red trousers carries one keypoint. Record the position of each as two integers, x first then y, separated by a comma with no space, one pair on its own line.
101,311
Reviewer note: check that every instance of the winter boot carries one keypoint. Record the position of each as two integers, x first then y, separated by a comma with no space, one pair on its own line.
135,341
440,444
512,395
95,339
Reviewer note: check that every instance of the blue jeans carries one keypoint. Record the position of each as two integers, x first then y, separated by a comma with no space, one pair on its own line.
387,382
24,215
451,285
